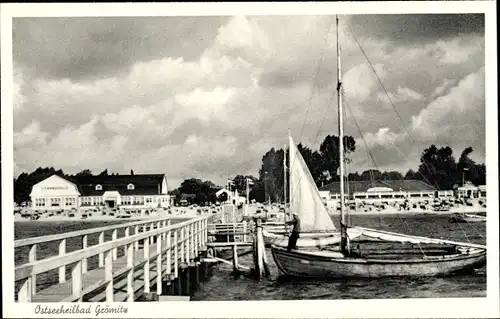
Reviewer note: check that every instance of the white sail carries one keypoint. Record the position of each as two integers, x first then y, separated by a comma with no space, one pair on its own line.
304,196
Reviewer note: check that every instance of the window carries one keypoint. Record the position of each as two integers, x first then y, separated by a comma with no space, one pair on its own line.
98,200
98,187
70,201
148,200
55,202
130,186
39,202
86,201
138,200
126,200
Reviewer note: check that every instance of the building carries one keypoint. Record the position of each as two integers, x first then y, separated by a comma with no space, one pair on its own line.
113,191
469,190
382,191
232,197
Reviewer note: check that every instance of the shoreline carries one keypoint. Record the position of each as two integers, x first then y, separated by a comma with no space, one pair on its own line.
386,212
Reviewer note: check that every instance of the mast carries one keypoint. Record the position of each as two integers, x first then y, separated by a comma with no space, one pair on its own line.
343,224
284,176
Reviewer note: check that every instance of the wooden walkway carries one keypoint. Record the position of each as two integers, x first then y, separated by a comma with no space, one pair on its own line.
154,258
159,258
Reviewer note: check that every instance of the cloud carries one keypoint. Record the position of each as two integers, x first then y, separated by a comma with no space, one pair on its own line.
211,102
461,111
88,48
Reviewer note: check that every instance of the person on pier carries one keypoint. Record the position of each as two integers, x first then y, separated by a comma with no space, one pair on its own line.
292,241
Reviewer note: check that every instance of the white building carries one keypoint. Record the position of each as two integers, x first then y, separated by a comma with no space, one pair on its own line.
113,191
471,191
232,197
382,191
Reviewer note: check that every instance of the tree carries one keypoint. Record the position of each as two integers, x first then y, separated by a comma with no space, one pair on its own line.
371,175
329,154
271,174
411,175
176,194
85,172
131,172
24,182
104,173
204,191
438,167
392,175
469,170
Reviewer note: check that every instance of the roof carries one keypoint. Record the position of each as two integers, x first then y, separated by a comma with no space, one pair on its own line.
395,185
145,184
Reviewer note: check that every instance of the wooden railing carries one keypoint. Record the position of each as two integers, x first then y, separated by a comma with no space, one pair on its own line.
177,243
242,231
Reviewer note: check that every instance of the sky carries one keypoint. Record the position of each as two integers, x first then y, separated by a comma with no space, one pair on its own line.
206,97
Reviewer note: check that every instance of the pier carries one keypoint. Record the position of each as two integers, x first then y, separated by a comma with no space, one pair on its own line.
152,259
159,259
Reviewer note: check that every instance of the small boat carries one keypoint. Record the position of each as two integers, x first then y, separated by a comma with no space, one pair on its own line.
383,253
467,218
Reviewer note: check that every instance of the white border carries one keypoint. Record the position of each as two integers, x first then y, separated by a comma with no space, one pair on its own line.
397,308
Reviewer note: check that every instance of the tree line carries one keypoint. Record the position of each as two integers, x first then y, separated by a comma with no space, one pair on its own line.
438,167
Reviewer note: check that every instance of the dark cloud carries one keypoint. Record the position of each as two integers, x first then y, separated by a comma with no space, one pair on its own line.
417,28
89,48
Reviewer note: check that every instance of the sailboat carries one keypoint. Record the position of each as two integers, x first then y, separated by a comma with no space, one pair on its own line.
387,253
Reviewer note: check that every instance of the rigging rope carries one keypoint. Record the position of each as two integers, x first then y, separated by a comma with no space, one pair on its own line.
314,83
390,101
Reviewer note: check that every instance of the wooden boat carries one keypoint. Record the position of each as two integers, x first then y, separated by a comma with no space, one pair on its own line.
382,253
467,218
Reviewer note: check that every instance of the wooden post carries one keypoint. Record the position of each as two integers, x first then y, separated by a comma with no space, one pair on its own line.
127,234
24,294
114,236
196,238
84,260
146,266
192,241
32,258
62,269
169,253
164,224
159,273
261,268
235,259
151,238
176,254
130,274
244,231
182,242
205,232
108,275
144,229
136,231
101,255
188,243
76,281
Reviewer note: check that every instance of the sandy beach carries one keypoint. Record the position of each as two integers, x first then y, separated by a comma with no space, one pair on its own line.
86,215
186,212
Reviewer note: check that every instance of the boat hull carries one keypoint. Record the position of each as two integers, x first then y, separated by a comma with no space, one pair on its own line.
303,264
